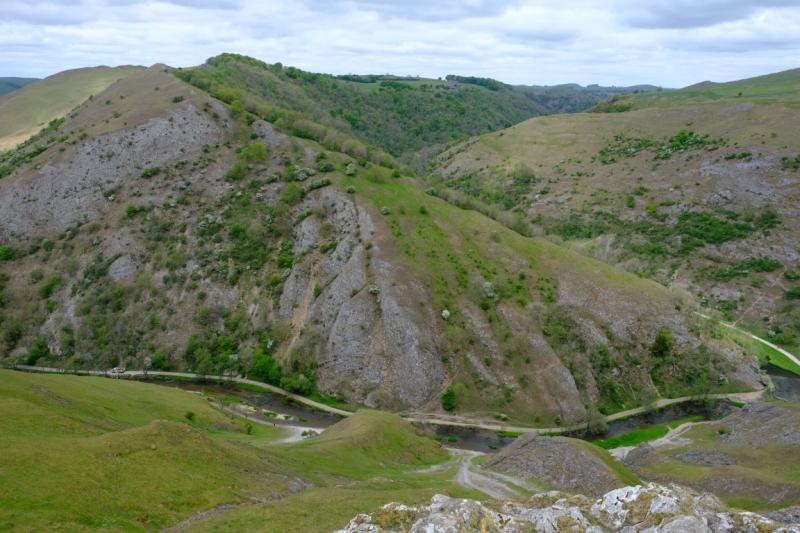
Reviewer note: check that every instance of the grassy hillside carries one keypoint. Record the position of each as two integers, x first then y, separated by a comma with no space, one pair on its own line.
781,87
397,116
85,453
8,85
695,188
24,112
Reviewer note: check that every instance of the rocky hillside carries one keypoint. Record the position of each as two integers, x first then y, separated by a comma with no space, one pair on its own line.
750,458
653,508
696,189
562,463
158,226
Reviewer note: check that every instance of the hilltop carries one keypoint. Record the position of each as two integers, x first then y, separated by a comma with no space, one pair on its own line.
26,111
158,225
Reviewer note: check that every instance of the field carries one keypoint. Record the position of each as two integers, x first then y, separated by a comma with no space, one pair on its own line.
24,112
86,453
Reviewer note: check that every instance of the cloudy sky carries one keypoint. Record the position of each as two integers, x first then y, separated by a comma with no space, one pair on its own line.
664,42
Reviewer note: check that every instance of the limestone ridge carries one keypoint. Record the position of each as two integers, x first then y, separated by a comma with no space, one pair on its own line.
652,508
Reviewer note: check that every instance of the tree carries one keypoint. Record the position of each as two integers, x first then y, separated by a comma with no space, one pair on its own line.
662,345
265,368
449,400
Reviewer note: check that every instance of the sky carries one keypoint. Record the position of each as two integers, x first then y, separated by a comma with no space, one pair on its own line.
670,43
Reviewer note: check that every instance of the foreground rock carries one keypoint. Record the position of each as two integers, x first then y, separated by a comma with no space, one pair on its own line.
653,508
558,462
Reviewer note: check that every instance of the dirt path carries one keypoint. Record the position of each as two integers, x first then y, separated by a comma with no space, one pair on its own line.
789,355
448,420
468,476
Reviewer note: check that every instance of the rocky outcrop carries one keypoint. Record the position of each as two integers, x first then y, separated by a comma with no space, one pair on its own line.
558,462
361,309
652,508
80,187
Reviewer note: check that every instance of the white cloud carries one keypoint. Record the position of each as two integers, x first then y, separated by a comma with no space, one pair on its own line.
670,43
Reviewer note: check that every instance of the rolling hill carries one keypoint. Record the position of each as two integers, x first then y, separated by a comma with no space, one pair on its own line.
11,84
695,188
26,111
158,225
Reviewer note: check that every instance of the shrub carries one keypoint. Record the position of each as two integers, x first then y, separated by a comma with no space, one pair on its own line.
177,99
293,193
46,290
38,351
9,253
132,210
265,368
190,416
663,343
149,172
793,293
449,400
254,153
237,171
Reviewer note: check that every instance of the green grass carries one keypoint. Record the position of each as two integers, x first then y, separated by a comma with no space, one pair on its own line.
24,112
638,436
84,453
87,453
625,476
766,354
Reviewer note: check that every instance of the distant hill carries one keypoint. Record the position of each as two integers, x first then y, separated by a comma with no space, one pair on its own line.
26,111
574,98
8,85
778,87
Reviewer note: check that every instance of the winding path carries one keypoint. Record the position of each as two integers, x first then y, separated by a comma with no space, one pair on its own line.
788,355
424,418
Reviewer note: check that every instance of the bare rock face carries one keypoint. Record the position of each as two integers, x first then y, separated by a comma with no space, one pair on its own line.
79,187
360,311
652,508
560,462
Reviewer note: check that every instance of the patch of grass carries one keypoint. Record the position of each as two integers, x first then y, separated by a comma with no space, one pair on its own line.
638,436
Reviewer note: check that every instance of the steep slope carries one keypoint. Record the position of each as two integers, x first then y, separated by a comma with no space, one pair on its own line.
399,115
8,85
24,112
158,226
562,463
697,190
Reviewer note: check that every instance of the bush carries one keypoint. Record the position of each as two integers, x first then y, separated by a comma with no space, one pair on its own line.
177,99
265,368
293,193
9,253
190,416
449,400
149,172
237,171
46,290
793,293
38,351
254,153
663,343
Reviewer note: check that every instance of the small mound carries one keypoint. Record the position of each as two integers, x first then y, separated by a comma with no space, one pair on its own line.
563,463
379,436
